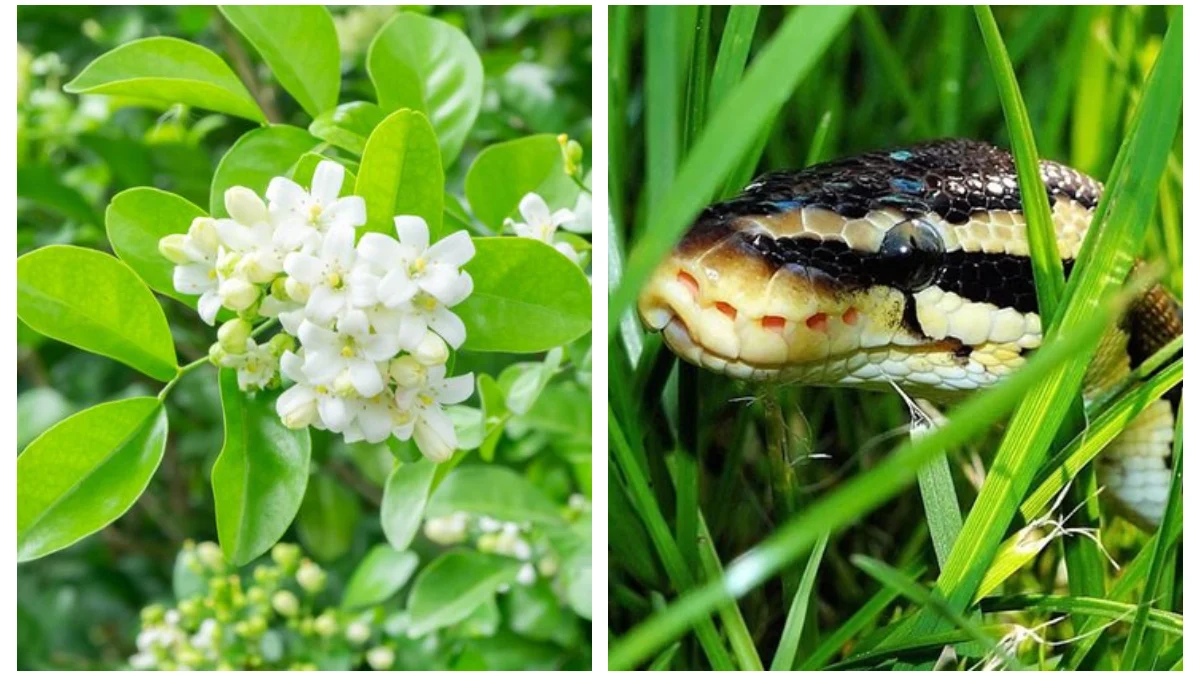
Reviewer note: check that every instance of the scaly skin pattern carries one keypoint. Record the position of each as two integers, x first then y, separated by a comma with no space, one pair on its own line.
908,266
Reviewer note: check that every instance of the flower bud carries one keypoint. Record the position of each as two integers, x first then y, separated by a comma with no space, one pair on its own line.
302,414
487,542
210,555
547,566
173,247
287,556
217,354
358,632
447,530
432,444
280,343
203,233
152,614
381,658
296,290
256,595
432,350
233,335
526,575
286,603
257,268
245,206
326,624
310,576
407,372
238,294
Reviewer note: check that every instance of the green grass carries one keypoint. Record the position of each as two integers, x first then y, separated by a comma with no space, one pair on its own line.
912,544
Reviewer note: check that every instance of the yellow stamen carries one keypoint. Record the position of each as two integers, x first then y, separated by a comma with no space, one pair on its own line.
347,351
314,212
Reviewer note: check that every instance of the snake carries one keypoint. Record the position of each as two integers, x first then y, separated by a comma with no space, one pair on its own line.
906,267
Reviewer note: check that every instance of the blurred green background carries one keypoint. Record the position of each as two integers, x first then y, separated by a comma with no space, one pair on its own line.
78,609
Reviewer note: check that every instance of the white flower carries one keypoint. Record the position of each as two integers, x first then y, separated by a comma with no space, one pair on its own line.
301,214
381,658
430,425
325,274
372,419
426,313
358,632
447,530
526,575
583,215
540,224
349,358
409,265
195,257
307,403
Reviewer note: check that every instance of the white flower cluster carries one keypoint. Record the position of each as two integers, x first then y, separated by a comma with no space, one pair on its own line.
541,224
167,640
373,319
498,537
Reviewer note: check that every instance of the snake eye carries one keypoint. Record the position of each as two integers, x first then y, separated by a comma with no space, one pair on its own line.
911,253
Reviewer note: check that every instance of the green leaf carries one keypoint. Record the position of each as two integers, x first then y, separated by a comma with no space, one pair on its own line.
38,409
401,173
85,472
528,297
259,478
428,65
404,498
529,384
255,159
43,185
785,654
533,611
452,586
494,491
163,71
95,302
382,572
327,518
505,172
299,43
577,573
306,166
348,126
136,220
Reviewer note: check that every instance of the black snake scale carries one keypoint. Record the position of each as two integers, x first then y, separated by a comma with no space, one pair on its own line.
907,266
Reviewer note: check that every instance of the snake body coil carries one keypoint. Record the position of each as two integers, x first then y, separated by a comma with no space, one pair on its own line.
908,266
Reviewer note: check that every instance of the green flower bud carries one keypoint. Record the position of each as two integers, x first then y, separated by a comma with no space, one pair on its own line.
256,595
311,577
326,625
245,206
152,615
279,289
381,658
173,247
280,343
233,334
287,556
407,372
488,542
286,603
238,294
358,632
203,233
432,350
210,555
547,566
217,354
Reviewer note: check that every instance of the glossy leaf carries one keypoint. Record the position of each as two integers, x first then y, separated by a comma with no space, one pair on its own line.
136,220
401,173
528,297
505,172
163,71
327,518
495,491
348,126
95,302
404,499
306,166
255,159
260,476
299,43
428,65
382,573
452,586
85,472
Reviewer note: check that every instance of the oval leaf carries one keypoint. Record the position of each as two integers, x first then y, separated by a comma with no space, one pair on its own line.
136,220
428,65
382,572
528,297
259,478
494,491
255,159
401,173
165,71
505,172
454,585
348,126
327,518
404,498
299,43
95,302
85,472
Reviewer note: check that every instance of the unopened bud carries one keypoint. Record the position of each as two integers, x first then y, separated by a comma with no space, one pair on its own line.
210,555
311,577
432,444
526,575
238,294
287,556
547,566
286,603
358,632
280,343
173,247
326,624
233,334
432,350
245,206
296,290
381,658
203,233
279,289
407,372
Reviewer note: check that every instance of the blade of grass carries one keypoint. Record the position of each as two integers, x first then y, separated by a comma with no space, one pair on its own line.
785,654
660,534
732,53
1168,622
892,64
885,574
941,506
923,648
820,139
697,84
1107,254
663,108
736,630
776,71
857,496
687,473
618,88
663,660
1162,546
952,48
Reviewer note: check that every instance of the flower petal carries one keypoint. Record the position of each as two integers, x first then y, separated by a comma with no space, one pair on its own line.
334,413
442,282
327,181
412,231
325,303
345,212
304,268
534,210
208,306
381,250
455,390
447,324
395,288
365,377
454,250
